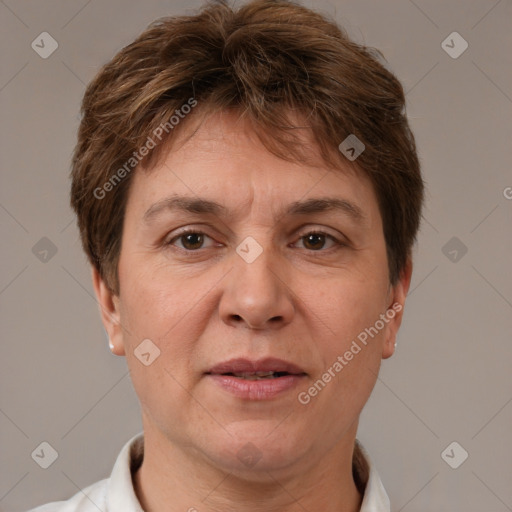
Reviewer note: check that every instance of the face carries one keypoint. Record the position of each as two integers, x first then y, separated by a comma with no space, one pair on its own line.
234,262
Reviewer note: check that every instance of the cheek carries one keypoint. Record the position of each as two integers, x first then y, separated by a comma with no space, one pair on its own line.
162,311
348,306
155,303
350,310
351,356
172,312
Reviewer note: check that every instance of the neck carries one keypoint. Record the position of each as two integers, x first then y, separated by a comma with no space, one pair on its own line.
174,480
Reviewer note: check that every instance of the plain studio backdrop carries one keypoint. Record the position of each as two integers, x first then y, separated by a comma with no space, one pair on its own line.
447,392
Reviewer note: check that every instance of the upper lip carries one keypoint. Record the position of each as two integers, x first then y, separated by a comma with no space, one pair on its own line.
269,364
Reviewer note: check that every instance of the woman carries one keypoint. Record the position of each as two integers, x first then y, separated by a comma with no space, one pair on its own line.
248,194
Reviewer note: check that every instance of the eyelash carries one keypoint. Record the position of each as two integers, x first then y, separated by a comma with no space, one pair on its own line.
185,232
337,243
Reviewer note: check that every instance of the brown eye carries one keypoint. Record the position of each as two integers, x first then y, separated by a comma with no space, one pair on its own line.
317,240
314,241
192,241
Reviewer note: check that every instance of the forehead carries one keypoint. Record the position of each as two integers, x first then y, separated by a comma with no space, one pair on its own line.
203,133
222,159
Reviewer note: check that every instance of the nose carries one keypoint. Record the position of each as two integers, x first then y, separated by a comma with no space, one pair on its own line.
256,295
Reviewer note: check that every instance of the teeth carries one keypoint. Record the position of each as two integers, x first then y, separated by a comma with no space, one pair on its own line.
255,375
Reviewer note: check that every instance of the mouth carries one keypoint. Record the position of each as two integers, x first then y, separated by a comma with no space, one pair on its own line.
256,380
269,368
256,375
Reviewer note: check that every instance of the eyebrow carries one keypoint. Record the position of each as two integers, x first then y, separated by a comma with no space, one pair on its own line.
185,204
206,206
326,204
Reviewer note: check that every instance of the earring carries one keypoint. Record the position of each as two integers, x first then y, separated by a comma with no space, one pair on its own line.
111,345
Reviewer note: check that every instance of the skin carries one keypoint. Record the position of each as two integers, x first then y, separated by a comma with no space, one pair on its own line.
303,300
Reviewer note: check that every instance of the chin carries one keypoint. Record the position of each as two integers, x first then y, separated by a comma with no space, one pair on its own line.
257,449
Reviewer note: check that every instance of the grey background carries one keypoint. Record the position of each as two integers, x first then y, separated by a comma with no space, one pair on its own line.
450,379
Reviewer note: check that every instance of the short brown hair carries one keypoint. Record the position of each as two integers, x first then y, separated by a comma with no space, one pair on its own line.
265,59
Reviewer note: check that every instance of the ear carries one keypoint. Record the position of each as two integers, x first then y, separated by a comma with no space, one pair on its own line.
110,314
396,304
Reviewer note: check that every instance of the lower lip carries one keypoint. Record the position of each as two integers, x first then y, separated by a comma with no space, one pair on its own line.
256,389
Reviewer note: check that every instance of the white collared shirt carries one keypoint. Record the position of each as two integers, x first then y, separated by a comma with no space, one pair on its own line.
116,494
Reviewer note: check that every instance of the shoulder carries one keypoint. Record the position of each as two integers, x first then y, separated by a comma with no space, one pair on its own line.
90,499
115,492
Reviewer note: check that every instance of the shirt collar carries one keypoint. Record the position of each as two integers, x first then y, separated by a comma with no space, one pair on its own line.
121,494
375,498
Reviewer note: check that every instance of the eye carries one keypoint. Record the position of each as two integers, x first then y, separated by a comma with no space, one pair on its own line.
190,240
316,240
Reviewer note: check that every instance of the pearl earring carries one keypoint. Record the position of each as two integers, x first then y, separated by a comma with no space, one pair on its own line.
111,345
